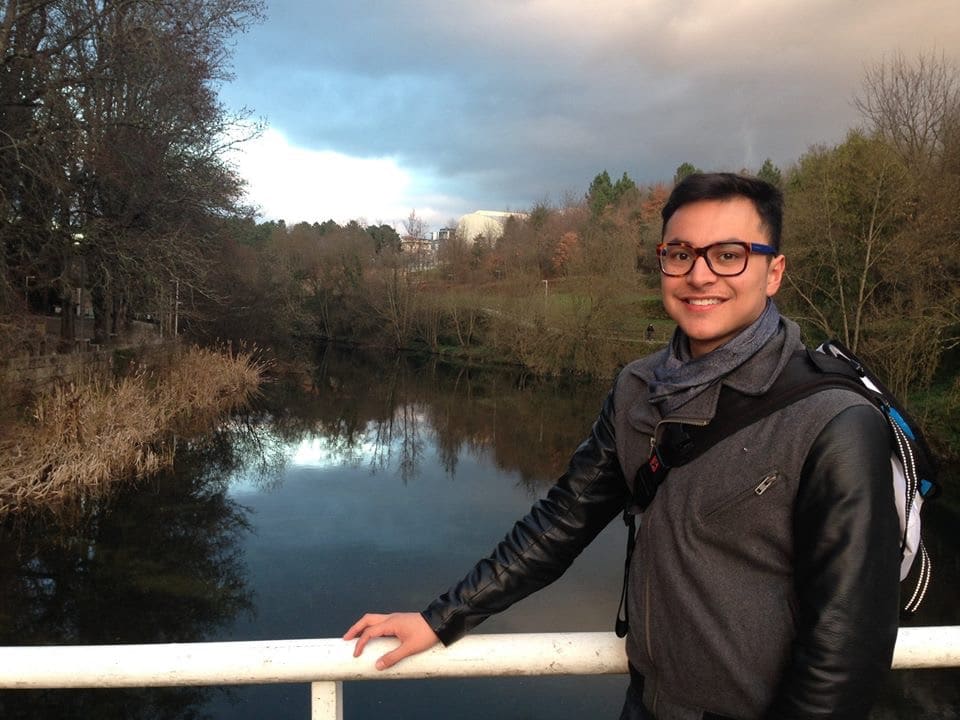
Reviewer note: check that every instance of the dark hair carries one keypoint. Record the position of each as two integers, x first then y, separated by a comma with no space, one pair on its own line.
766,198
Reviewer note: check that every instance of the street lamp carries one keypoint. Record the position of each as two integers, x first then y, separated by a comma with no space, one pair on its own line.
77,245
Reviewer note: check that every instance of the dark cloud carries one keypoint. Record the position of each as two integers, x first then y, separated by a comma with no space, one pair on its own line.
507,102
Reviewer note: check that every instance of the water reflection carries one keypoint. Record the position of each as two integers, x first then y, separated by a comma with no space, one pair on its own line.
362,483
156,563
350,411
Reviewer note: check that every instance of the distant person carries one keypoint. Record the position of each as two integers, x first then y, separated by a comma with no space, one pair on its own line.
765,583
649,332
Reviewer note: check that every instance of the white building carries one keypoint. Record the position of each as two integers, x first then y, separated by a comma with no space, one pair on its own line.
488,223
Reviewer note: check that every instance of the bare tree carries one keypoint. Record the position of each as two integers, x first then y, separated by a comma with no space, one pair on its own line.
110,128
911,104
859,264
914,105
415,227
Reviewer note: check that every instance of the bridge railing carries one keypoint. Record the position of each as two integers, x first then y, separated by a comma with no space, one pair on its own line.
327,663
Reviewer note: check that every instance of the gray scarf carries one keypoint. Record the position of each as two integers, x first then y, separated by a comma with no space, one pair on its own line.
681,377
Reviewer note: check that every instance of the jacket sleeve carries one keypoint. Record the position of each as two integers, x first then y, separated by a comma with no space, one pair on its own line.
846,572
542,545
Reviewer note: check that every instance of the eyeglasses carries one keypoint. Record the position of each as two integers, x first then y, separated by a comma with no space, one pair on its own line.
726,258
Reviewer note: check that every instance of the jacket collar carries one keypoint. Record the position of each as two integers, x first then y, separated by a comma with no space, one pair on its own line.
753,377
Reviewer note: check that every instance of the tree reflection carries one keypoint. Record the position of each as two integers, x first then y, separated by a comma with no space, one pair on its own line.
159,562
528,427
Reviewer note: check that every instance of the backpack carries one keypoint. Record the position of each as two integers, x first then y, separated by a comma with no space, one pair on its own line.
831,365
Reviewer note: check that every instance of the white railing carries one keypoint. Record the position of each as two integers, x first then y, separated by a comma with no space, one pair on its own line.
327,663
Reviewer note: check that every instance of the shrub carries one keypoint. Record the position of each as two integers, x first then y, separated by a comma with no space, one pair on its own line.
83,437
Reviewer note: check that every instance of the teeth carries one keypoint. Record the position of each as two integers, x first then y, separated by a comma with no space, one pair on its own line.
704,301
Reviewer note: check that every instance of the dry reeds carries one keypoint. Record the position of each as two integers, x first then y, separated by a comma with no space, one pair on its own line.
85,436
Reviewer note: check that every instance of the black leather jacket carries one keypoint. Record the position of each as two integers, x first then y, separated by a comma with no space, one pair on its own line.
846,608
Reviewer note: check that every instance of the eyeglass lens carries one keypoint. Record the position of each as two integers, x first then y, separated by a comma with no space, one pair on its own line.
727,258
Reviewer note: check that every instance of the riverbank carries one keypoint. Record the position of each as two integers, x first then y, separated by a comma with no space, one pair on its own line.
575,327
80,438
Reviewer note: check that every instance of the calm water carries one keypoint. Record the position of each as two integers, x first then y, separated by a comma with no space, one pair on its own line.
374,486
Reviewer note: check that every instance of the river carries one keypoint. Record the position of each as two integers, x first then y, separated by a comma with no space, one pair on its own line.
366,484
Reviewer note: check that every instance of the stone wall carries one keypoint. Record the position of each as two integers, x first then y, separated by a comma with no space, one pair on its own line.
23,376
41,370
36,368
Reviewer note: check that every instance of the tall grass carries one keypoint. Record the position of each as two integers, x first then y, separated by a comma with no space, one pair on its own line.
83,437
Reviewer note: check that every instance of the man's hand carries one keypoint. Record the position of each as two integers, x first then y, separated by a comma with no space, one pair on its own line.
410,628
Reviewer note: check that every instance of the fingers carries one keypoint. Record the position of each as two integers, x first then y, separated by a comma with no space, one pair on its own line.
411,629
415,637
359,625
371,625
380,629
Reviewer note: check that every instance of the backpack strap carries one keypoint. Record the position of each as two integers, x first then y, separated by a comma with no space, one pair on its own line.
900,420
807,372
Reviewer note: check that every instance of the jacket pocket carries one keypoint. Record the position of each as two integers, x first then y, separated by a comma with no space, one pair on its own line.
748,498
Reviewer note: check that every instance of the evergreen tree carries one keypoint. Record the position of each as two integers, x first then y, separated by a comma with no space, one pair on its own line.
600,194
770,173
604,193
683,171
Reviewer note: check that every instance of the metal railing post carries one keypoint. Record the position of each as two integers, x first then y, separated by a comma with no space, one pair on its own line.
326,700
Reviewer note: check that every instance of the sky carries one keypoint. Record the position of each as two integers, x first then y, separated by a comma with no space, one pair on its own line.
376,108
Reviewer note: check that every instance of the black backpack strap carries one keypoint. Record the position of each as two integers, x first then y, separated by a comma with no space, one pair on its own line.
622,624
807,372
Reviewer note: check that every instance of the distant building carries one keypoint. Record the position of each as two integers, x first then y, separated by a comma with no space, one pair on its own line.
486,223
422,250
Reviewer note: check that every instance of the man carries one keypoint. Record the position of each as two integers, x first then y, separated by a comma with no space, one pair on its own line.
765,582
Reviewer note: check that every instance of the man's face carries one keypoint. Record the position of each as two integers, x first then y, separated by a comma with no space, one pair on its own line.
709,308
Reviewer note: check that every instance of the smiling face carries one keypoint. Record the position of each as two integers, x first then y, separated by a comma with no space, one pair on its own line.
709,308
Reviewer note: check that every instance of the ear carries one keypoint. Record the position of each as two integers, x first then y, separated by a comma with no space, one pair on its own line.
775,274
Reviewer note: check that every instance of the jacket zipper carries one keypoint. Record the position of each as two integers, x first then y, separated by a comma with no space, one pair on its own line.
646,615
742,495
765,483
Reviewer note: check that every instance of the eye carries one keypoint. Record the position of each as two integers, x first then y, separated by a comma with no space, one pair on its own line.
677,253
728,254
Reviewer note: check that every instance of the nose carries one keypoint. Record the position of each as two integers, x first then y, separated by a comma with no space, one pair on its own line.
700,273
